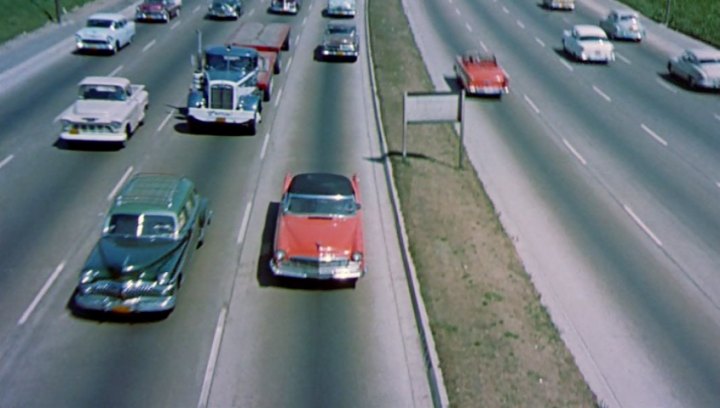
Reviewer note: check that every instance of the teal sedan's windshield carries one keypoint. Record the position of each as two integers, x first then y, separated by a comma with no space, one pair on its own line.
143,225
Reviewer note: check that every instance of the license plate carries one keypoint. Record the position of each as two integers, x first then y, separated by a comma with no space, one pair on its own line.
220,120
73,131
121,309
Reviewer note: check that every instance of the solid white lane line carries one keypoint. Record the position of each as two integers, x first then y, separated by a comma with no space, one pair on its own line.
505,10
196,9
666,86
287,68
212,359
120,183
175,25
165,121
115,71
623,58
531,103
41,294
566,64
539,41
264,146
457,11
6,160
601,93
575,152
654,135
520,24
467,26
277,98
244,224
148,46
642,225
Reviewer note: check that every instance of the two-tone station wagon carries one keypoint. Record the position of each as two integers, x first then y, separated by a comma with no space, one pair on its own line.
154,225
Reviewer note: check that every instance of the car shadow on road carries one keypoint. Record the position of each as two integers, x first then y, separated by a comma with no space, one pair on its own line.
672,80
265,276
62,144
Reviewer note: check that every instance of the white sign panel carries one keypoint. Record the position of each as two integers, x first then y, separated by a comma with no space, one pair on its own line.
432,107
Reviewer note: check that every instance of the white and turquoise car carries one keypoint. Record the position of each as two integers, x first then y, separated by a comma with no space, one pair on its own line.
105,32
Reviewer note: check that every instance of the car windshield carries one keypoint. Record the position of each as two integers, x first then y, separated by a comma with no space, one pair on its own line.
628,18
143,225
102,92
340,29
592,38
93,22
321,205
228,63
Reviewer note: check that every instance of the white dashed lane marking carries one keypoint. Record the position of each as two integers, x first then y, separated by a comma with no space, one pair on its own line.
148,46
601,93
6,160
115,71
642,225
575,152
531,103
654,135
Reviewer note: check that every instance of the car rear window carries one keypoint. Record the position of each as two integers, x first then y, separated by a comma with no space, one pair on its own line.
142,225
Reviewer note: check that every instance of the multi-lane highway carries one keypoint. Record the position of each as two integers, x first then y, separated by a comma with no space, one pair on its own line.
232,341
608,178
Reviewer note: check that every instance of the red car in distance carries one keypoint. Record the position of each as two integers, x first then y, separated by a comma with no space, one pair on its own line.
158,10
480,74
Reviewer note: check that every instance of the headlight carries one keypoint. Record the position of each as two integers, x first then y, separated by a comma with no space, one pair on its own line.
66,125
279,255
88,276
357,256
115,126
164,278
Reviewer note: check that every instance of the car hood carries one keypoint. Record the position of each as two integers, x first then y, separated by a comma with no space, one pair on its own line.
94,33
94,111
123,256
711,70
484,73
338,39
311,236
151,7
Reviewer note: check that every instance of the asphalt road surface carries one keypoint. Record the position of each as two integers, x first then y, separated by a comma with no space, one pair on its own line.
608,180
233,340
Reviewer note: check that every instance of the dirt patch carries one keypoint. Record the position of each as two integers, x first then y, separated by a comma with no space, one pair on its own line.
496,342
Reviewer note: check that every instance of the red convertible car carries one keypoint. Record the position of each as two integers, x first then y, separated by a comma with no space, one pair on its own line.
158,10
319,231
479,74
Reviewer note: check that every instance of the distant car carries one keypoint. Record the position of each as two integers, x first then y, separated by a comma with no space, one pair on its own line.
480,74
699,67
108,110
319,231
559,4
107,32
588,43
157,10
340,8
225,9
340,40
623,24
285,6
153,227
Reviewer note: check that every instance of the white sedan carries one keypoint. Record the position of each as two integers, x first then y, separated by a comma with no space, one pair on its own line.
623,24
107,32
699,67
588,43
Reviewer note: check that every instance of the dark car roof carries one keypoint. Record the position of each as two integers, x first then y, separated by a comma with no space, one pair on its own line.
321,184
152,192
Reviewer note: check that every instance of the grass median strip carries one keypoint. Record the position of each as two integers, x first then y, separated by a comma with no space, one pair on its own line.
497,345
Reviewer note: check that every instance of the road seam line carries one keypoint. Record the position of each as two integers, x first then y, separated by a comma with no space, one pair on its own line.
149,45
265,145
212,359
120,183
244,223
115,71
642,225
575,152
654,135
601,93
6,160
41,294
530,102
165,121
